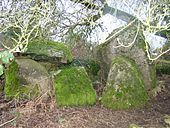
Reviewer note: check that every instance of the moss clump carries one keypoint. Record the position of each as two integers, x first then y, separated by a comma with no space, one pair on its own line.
49,48
125,86
12,80
92,67
74,88
13,89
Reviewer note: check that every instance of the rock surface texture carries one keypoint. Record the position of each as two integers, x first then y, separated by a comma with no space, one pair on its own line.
74,88
125,86
27,73
105,53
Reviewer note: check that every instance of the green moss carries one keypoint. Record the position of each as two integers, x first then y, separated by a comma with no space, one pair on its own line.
13,89
73,88
49,48
29,91
12,80
125,86
92,67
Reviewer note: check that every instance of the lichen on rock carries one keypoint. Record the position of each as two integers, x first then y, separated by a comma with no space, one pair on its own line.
125,86
74,88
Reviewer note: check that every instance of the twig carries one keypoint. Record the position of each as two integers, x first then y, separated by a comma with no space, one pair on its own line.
130,44
8,122
152,59
118,32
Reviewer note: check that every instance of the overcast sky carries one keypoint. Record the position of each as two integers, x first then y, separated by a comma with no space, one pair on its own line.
109,22
133,7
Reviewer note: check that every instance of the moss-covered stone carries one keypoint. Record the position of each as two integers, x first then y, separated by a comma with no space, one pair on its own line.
49,49
25,78
73,88
92,67
105,53
125,86
13,88
49,66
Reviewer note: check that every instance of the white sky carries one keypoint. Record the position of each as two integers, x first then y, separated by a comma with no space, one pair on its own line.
154,40
110,22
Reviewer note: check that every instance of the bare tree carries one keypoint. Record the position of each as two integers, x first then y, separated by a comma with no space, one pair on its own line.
61,17
25,19
153,17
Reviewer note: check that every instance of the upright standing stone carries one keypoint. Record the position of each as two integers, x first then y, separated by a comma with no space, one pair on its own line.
105,53
125,87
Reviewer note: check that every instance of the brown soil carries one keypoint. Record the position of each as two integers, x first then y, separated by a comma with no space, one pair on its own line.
35,114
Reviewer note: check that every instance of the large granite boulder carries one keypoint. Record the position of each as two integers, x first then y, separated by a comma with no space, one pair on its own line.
105,53
125,86
26,77
74,88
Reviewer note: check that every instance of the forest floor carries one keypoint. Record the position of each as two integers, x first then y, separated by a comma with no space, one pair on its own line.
35,114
